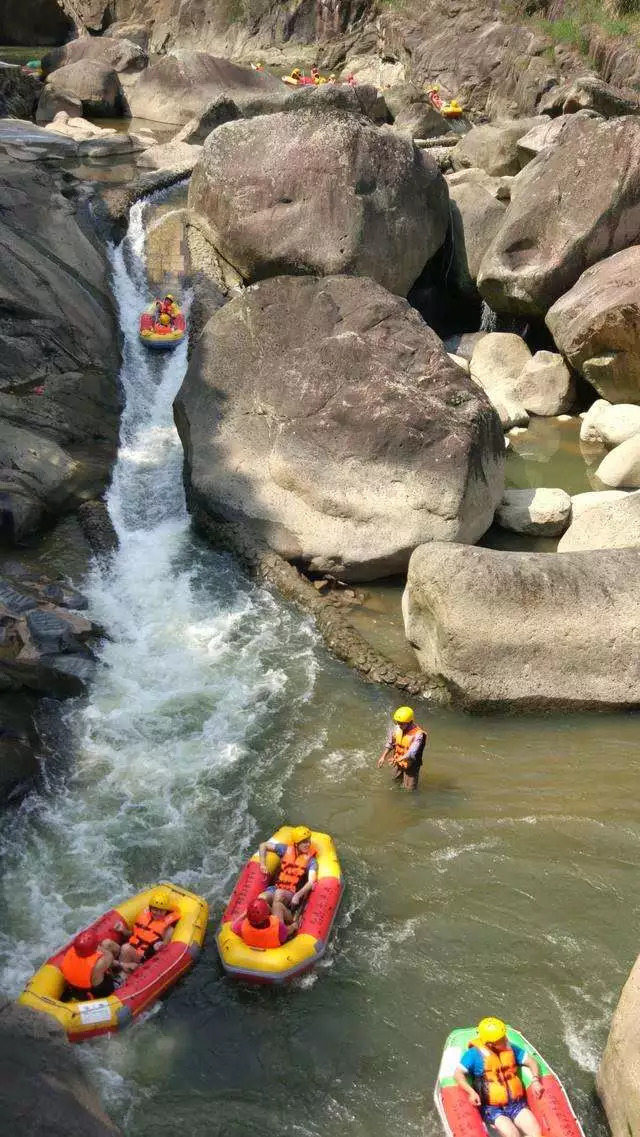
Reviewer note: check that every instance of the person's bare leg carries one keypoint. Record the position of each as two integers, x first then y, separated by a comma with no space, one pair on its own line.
505,1127
280,907
129,958
410,782
527,1123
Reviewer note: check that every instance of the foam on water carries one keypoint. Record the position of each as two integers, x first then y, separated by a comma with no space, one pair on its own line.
165,753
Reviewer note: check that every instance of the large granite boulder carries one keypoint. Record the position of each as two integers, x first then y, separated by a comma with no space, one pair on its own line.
608,524
572,205
545,385
596,324
477,213
618,1078
319,192
46,1092
178,87
327,416
59,396
95,84
493,146
587,92
496,364
117,54
528,631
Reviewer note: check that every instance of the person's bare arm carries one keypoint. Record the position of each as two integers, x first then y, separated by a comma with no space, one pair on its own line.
100,968
385,756
532,1065
460,1077
303,892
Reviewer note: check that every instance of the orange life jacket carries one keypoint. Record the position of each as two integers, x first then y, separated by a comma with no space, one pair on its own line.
261,938
402,740
500,1082
293,867
77,969
148,929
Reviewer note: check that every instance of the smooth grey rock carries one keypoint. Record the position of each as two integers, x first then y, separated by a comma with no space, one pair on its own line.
621,467
545,385
526,631
304,192
610,424
536,512
606,524
340,432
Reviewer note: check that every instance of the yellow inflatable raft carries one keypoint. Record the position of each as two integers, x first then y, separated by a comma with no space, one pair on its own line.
82,1020
278,965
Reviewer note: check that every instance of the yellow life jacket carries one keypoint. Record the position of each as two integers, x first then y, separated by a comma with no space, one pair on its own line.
500,1083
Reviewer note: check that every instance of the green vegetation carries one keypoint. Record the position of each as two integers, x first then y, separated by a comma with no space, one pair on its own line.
580,15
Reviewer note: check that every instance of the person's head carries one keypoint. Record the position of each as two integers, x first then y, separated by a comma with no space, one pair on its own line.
159,902
296,73
403,717
165,320
170,298
301,837
258,913
86,944
492,1032
315,71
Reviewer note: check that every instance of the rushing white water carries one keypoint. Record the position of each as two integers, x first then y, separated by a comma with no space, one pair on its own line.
159,780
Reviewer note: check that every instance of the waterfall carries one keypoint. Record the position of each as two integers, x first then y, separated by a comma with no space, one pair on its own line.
488,318
164,755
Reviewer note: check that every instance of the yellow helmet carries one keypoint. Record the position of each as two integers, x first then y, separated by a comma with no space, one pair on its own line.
160,899
165,319
296,73
403,715
168,296
491,1030
300,833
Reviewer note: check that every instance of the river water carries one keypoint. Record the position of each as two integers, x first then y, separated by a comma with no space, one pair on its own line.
508,885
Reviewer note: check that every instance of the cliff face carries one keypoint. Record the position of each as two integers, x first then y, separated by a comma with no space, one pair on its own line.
34,21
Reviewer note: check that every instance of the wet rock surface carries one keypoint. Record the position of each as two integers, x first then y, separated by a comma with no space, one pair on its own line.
59,397
342,434
45,643
46,1090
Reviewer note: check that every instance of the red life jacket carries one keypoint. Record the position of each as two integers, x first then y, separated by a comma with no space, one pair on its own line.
293,867
261,938
77,969
149,929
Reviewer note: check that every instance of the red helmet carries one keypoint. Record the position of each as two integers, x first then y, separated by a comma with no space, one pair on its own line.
86,943
258,913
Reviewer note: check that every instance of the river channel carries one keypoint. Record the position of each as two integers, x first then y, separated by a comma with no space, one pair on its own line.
508,885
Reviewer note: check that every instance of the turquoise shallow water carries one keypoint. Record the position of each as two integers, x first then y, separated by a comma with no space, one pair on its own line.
506,885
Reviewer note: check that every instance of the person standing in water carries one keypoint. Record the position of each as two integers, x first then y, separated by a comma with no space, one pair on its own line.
404,748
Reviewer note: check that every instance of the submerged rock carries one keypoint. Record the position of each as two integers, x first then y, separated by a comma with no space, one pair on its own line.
319,192
527,631
327,416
